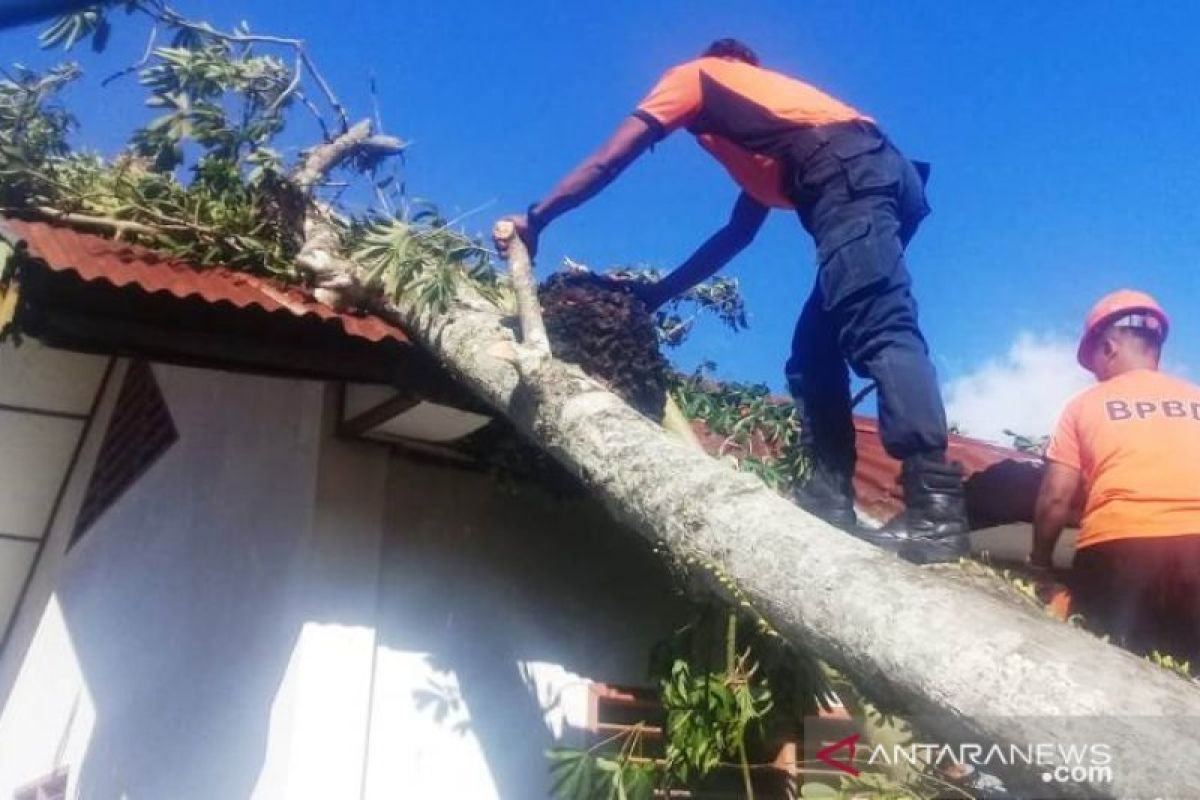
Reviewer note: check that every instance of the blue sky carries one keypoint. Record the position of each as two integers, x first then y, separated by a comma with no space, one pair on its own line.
1063,139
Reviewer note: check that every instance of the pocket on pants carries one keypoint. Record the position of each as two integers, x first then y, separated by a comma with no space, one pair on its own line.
839,237
857,259
870,165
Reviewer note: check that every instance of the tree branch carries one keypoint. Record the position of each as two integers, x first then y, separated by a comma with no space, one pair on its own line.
533,329
118,226
169,16
338,108
316,112
141,62
863,394
338,280
977,667
291,88
324,158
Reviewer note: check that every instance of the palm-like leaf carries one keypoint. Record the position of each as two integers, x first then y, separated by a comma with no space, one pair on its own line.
420,261
70,29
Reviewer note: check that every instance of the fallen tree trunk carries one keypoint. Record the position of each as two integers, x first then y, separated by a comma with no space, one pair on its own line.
966,663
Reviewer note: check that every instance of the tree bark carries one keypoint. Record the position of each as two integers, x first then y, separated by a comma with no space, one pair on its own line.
533,329
324,158
336,279
962,662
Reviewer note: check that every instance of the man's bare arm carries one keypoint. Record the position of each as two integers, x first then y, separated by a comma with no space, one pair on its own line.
1060,485
632,138
744,223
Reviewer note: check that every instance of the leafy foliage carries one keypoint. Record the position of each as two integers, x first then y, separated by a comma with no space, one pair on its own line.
33,127
230,103
596,322
70,29
217,218
710,714
1034,445
726,687
419,256
203,179
760,430
720,297
625,774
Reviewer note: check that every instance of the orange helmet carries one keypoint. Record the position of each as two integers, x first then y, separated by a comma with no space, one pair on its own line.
1114,306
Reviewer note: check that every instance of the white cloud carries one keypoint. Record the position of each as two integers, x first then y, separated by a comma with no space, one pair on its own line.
1023,391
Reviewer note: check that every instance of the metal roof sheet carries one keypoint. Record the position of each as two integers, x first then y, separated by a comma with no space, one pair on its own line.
121,264
1006,495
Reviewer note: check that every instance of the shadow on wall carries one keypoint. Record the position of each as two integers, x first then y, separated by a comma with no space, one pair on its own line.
515,597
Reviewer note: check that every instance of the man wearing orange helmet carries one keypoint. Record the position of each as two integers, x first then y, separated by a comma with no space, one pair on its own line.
1132,445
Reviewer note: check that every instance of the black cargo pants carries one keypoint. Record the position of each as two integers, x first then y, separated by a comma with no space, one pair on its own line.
862,201
1144,592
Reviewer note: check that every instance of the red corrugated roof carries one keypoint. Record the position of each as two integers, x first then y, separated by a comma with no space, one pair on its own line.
876,481
1007,494
95,258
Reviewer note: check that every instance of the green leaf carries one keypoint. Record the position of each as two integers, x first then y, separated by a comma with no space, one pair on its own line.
570,774
607,765
70,29
818,791
639,782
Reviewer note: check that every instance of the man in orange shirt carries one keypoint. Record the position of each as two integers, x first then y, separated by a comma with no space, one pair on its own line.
789,145
1132,444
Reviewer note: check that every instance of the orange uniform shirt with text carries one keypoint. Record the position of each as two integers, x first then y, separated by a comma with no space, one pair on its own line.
743,115
1136,441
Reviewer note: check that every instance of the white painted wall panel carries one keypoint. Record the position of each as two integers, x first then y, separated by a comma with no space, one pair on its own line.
177,602
35,452
316,743
360,397
15,560
33,375
431,422
29,617
48,721
497,607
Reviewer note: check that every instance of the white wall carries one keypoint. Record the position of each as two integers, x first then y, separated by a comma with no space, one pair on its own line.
175,602
496,609
273,612
45,398
316,744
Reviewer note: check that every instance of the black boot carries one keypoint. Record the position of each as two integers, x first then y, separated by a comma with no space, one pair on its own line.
934,527
829,494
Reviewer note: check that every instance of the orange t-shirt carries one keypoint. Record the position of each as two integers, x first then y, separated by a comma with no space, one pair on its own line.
743,115
1136,440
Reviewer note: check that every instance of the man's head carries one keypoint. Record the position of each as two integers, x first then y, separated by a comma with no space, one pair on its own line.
731,49
1124,332
1120,349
